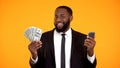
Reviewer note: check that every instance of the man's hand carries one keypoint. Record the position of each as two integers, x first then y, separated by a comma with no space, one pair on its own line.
90,43
33,47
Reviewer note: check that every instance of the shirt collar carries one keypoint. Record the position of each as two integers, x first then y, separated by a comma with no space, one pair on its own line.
67,33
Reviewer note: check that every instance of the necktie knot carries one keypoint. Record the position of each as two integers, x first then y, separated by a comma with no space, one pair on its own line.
63,34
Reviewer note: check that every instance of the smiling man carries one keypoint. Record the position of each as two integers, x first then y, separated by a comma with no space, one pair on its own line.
63,47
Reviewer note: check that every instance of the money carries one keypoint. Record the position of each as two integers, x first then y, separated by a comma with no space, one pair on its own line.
33,33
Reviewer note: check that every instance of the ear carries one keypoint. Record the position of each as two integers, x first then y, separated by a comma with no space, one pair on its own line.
71,17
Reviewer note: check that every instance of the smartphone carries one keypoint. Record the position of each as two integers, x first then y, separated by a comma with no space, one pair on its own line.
91,34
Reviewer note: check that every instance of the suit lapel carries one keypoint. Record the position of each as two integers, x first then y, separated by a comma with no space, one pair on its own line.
52,44
51,41
73,43
72,50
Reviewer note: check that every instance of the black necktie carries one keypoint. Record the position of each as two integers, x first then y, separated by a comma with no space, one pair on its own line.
63,51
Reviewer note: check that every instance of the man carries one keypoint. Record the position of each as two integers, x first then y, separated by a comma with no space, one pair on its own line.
63,47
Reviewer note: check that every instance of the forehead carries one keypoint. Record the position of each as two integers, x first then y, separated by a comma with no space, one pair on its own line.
61,11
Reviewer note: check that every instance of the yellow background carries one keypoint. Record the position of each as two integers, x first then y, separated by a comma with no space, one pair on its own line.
100,16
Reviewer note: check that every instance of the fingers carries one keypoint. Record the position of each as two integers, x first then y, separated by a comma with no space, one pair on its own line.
89,42
33,46
36,43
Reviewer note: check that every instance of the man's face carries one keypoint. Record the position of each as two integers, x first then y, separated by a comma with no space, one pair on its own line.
62,20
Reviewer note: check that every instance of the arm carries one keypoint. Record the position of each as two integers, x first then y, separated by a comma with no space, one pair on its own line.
88,64
91,60
33,48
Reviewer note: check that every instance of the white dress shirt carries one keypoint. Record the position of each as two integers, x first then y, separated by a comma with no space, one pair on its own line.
57,49
57,45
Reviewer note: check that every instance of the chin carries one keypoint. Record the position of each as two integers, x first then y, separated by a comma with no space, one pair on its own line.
60,30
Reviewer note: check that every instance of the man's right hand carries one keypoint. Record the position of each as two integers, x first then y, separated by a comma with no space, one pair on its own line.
33,47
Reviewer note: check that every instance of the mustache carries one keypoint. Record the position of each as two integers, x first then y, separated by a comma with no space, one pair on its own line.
60,22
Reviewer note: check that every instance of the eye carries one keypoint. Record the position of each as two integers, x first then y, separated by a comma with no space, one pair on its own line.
56,16
62,16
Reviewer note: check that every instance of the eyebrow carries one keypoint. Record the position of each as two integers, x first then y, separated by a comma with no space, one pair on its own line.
60,14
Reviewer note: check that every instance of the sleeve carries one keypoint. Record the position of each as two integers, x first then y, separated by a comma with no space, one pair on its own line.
90,62
91,59
40,60
33,61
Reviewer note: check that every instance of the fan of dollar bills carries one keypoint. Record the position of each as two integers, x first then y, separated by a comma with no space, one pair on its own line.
33,33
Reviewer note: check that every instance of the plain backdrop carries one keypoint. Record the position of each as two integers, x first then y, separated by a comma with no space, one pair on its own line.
100,16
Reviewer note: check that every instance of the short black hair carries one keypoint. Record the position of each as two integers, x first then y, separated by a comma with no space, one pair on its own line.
69,10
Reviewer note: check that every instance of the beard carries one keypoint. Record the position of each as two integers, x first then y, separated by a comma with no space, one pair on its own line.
64,27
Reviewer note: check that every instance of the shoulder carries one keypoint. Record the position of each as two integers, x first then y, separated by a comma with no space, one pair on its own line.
48,33
78,34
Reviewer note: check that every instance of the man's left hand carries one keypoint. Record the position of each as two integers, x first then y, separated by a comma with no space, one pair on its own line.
90,44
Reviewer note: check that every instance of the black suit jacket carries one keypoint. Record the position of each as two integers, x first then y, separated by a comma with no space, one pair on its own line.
46,57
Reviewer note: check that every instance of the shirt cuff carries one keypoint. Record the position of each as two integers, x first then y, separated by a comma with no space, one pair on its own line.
91,59
34,61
